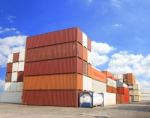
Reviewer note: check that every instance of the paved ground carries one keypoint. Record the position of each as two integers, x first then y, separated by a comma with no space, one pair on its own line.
136,110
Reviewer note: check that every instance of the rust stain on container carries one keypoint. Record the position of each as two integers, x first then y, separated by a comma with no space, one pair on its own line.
8,77
59,66
57,37
9,68
71,49
63,98
48,82
15,57
20,76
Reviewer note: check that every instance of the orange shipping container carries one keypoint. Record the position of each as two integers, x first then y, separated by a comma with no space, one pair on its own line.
96,74
129,79
49,82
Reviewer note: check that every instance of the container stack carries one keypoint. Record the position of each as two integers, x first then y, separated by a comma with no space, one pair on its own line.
56,68
122,93
134,89
111,82
14,79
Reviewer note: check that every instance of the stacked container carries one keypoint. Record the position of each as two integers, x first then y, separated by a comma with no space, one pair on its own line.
111,82
122,93
14,78
56,68
134,89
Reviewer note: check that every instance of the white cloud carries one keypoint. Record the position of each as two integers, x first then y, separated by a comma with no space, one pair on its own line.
11,18
124,62
144,83
101,48
9,30
99,53
116,3
9,45
117,25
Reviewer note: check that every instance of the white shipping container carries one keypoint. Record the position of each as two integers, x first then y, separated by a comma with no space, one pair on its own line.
10,58
14,76
111,82
89,57
145,91
134,92
90,99
87,83
84,40
19,86
119,76
21,66
11,97
15,67
98,86
22,56
136,98
7,86
136,87
109,99
13,86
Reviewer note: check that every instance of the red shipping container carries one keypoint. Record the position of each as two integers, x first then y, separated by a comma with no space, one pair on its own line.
59,66
15,57
56,37
9,68
62,98
65,50
20,76
122,90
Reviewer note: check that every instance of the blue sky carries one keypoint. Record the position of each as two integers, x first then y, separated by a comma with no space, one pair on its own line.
122,24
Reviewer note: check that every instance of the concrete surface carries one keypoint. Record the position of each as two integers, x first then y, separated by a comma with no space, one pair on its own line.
136,110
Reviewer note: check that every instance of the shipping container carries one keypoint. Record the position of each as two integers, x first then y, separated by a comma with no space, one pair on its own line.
52,38
62,98
21,66
19,86
14,76
65,50
7,86
109,99
15,57
59,66
89,57
134,92
98,86
11,97
96,74
20,76
9,68
87,83
111,82
15,67
122,90
48,82
129,79
122,99
111,89
22,56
